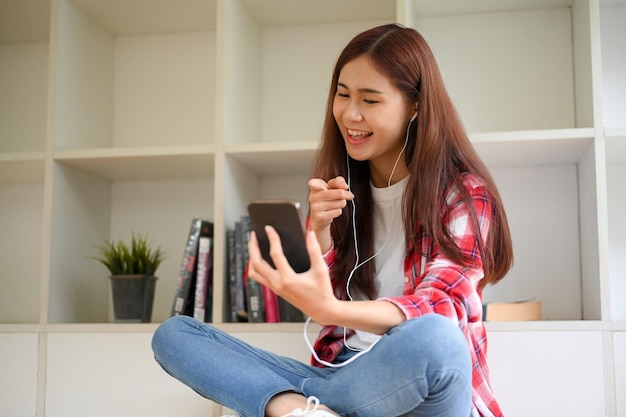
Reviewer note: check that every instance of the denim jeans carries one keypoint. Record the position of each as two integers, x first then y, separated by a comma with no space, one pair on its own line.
420,368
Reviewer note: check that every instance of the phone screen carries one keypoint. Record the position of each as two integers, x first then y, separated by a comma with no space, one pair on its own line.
285,217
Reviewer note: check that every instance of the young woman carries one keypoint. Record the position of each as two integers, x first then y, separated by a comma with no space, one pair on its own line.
406,227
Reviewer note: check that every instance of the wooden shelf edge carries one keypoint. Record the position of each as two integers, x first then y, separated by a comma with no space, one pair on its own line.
492,327
51,328
533,135
550,326
132,152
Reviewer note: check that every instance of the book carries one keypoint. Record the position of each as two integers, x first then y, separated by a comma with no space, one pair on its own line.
203,297
255,302
272,309
240,293
232,274
288,312
185,284
255,299
519,310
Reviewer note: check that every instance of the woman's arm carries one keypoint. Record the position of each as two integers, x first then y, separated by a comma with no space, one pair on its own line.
447,287
312,292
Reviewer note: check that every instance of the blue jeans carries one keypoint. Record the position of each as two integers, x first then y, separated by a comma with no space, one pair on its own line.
420,368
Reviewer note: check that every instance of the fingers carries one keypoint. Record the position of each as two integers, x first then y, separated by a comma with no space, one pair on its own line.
258,268
327,200
313,247
338,183
316,184
276,250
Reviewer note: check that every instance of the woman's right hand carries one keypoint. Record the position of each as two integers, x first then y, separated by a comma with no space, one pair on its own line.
326,202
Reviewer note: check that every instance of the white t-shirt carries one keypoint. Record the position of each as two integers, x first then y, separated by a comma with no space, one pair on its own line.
390,249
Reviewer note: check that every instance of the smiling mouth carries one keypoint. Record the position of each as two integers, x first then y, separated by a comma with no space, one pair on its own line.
358,135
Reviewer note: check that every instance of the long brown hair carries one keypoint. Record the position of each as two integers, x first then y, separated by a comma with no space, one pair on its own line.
437,155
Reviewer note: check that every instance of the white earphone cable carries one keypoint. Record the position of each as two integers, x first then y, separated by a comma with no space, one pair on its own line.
358,264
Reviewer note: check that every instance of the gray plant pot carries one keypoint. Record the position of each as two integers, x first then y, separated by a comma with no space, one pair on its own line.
133,297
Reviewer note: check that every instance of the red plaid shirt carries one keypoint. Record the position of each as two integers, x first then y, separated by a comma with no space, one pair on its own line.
435,284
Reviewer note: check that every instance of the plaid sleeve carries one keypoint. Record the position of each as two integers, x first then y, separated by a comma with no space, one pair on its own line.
446,287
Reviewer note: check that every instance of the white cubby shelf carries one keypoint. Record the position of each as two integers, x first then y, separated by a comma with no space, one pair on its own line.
124,116
132,120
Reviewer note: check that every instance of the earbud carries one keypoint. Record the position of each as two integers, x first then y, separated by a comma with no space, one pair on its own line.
413,118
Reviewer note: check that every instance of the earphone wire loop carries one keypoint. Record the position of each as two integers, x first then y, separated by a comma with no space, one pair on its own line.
358,264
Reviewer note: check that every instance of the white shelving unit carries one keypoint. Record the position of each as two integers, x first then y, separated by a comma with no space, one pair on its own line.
120,116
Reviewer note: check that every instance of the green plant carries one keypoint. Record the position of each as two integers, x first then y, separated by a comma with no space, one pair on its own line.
138,258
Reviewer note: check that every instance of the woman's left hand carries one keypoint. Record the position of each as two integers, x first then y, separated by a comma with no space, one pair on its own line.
310,291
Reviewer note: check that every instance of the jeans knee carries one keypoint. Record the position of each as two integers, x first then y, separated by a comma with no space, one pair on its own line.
438,338
168,333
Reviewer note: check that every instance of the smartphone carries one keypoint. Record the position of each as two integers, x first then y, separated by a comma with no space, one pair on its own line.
286,218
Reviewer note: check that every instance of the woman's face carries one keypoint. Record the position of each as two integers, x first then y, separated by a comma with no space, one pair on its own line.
372,115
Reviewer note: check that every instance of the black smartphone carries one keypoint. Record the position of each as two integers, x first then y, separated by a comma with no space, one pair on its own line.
286,218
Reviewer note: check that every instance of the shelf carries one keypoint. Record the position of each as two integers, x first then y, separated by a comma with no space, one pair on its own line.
438,8
125,18
275,158
275,89
128,80
268,13
313,329
24,38
533,148
143,163
509,66
548,326
125,116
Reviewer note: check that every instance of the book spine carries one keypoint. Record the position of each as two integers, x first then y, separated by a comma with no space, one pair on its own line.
232,274
183,298
289,313
256,300
240,296
202,278
272,310
208,314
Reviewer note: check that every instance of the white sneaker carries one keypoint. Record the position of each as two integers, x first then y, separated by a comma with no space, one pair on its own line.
311,410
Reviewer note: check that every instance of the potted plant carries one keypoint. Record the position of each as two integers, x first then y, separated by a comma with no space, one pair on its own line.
132,270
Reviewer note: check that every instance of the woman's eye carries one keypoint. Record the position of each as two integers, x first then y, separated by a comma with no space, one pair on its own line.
370,101
344,95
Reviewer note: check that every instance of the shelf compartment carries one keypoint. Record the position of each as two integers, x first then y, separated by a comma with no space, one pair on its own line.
88,209
548,181
21,222
511,65
249,175
273,83
24,48
124,79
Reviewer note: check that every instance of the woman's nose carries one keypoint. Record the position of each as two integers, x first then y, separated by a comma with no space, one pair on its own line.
353,112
